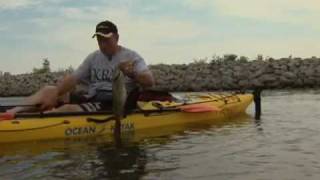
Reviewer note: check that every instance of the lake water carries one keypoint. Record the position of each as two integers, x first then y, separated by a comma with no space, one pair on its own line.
284,144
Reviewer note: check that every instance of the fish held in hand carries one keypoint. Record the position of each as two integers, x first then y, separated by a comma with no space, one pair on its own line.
119,93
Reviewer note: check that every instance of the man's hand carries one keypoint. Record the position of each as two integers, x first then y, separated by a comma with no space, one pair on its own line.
127,68
48,97
144,78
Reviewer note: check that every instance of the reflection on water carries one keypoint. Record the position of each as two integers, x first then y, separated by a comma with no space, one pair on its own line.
103,161
74,160
284,144
99,157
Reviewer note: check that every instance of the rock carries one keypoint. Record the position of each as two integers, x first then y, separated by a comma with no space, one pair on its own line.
244,83
267,78
256,83
289,75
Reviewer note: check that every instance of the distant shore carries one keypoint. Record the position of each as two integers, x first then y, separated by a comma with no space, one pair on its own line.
218,74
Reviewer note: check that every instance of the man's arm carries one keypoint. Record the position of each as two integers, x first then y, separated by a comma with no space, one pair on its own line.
145,79
48,96
68,83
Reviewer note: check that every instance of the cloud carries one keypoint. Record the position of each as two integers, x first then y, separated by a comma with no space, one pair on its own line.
77,25
3,28
278,11
63,33
274,10
65,38
275,47
242,46
5,4
18,4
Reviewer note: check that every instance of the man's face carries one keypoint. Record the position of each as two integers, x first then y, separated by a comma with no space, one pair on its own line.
108,46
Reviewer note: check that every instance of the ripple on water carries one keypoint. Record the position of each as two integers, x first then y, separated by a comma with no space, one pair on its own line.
283,145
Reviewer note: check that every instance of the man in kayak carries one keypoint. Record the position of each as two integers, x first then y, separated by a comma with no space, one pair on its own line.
96,71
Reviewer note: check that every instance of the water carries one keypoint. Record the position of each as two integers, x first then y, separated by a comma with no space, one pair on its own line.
283,145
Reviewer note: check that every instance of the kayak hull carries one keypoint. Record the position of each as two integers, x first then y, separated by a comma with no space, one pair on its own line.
27,129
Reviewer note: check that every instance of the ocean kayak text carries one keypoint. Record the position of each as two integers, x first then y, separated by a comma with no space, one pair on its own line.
77,131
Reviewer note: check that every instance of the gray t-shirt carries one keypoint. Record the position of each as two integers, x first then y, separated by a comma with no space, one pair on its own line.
97,69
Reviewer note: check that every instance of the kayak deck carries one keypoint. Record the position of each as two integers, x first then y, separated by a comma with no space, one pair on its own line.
46,127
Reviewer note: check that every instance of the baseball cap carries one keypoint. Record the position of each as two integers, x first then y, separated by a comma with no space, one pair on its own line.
105,29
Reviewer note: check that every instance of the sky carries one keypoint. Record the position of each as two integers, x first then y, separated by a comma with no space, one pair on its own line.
166,31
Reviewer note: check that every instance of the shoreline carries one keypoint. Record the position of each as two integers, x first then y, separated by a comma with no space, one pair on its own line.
217,75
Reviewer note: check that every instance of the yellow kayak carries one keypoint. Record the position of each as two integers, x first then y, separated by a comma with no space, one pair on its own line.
61,126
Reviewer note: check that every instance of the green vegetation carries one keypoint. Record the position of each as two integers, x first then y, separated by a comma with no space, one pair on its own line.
45,67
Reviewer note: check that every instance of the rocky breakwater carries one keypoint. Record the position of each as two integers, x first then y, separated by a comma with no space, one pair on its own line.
221,74
26,84
239,74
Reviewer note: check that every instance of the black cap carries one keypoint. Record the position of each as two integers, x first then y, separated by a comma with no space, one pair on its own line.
105,29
